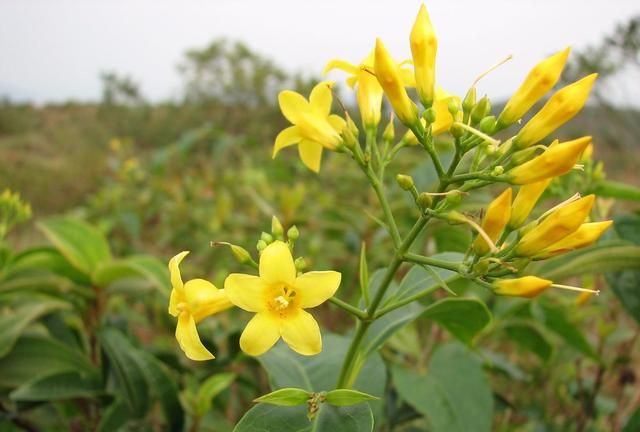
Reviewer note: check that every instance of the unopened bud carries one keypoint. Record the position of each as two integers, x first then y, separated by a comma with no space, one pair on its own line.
424,200
482,267
453,106
430,115
293,233
389,133
488,125
240,253
300,264
261,245
499,170
480,111
352,127
469,100
276,228
405,182
523,156
266,237
457,131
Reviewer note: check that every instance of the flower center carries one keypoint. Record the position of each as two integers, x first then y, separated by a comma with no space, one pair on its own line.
181,307
282,299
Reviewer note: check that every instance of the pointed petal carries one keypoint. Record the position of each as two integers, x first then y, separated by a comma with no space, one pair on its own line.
174,271
292,104
246,291
260,334
337,122
175,299
285,138
352,81
189,340
316,287
321,98
204,299
342,65
311,154
276,264
301,332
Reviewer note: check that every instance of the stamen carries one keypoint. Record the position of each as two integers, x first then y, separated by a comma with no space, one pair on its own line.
480,134
451,192
281,303
579,167
572,288
491,69
573,198
482,232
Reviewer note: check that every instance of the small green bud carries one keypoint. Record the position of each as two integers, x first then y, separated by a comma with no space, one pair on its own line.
481,267
266,237
457,131
469,100
293,233
521,263
429,115
499,170
424,200
276,228
261,245
454,197
353,128
240,253
488,125
405,182
522,156
300,264
453,107
389,133
480,111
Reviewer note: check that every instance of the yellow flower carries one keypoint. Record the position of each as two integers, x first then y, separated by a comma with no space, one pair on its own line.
558,159
559,224
526,199
527,286
424,46
389,76
583,236
539,81
560,108
313,125
191,302
494,221
278,297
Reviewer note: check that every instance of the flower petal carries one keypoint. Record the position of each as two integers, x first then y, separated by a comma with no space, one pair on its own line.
260,334
246,291
285,138
316,287
204,299
342,65
311,154
276,264
175,299
337,122
187,336
292,104
174,270
301,332
321,98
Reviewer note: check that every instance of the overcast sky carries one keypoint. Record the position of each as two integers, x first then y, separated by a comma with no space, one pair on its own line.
55,50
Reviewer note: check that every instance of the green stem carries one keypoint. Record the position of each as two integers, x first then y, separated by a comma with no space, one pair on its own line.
386,209
349,308
433,262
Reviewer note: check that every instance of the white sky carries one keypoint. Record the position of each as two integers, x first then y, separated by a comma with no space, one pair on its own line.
55,50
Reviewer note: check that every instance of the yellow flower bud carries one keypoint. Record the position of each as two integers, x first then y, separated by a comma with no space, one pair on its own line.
527,286
587,154
555,161
526,199
539,81
583,236
388,75
555,227
424,46
559,109
496,218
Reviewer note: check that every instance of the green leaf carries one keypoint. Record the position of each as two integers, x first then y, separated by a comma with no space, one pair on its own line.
604,257
34,356
13,323
115,416
130,377
285,397
555,318
464,318
143,266
613,189
42,261
625,283
210,388
346,397
454,395
80,243
271,418
451,238
59,386
633,424
528,337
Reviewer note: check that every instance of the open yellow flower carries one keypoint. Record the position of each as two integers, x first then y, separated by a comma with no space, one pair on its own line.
314,127
278,297
191,302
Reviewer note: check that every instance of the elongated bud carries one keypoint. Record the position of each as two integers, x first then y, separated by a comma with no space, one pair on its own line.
424,46
557,160
240,253
587,154
293,233
405,182
266,237
559,109
526,199
524,155
261,245
559,224
480,111
351,125
539,81
388,74
583,236
469,100
424,200
276,228
487,125
494,221
389,133
527,286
